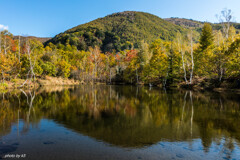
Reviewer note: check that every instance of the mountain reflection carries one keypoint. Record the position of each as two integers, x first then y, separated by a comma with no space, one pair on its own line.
128,116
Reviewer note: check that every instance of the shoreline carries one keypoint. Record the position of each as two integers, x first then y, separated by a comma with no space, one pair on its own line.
59,81
47,81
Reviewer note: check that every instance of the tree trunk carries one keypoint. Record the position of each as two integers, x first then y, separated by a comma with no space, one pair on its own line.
191,74
19,45
221,73
3,78
183,63
5,48
110,76
137,75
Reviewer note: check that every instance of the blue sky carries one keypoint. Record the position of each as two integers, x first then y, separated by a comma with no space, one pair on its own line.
46,18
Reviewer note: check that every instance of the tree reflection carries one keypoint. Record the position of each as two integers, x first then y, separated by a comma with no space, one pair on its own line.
129,116
30,98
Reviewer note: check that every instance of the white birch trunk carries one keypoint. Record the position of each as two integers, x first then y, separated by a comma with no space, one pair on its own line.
191,44
183,64
137,75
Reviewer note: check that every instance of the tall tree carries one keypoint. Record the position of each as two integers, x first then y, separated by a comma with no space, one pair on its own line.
144,54
190,39
206,39
225,18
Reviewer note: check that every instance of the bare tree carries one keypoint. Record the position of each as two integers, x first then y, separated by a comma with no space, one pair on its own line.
30,75
29,51
225,19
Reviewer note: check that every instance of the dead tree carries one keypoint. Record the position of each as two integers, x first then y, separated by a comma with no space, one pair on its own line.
225,19
30,75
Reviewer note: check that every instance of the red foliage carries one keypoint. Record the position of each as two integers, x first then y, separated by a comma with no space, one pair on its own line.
130,55
24,48
13,45
118,57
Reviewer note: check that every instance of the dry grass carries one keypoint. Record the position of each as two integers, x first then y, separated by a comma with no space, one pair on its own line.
46,81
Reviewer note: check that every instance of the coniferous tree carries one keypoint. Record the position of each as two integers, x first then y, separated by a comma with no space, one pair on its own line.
206,39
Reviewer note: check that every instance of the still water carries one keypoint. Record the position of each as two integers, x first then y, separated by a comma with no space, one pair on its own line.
118,122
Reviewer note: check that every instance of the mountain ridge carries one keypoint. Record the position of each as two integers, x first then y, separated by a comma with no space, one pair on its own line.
119,31
124,30
197,25
24,38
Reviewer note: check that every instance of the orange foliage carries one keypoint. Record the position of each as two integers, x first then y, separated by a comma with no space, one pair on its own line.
130,55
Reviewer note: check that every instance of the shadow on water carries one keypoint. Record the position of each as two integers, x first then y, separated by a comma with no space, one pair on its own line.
127,116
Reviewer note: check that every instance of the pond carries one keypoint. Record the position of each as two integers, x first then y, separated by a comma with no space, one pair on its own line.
118,122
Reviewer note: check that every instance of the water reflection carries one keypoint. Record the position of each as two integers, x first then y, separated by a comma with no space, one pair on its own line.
128,116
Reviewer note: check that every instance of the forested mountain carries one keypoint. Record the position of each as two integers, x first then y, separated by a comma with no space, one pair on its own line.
125,30
24,38
186,23
197,25
119,31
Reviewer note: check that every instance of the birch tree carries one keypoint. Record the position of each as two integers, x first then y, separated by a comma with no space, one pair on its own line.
190,38
180,44
225,18
186,48
96,59
31,47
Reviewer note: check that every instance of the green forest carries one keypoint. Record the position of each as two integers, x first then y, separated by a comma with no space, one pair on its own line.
129,48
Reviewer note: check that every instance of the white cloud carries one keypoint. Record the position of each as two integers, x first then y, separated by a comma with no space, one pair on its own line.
2,27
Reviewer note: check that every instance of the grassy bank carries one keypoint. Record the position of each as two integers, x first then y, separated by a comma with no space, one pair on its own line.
198,84
44,81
